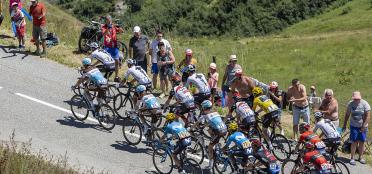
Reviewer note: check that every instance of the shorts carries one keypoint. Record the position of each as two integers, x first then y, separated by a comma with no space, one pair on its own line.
21,31
269,118
247,123
114,52
199,98
164,75
217,135
243,153
248,100
39,32
154,68
182,145
143,64
300,112
182,109
356,135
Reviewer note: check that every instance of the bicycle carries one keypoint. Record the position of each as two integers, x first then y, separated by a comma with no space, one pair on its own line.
163,161
339,167
133,128
89,34
80,107
281,145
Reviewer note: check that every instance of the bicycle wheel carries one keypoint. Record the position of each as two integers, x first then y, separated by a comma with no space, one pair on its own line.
289,166
222,166
340,167
121,104
282,147
110,94
162,161
196,150
254,134
132,131
191,166
83,44
79,107
106,117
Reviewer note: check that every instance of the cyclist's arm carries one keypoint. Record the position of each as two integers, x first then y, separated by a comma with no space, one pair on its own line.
96,63
315,128
80,81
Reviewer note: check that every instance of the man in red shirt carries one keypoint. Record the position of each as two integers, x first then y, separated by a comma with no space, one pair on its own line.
39,31
110,43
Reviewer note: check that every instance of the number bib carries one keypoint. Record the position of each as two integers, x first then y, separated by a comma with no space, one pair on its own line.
246,144
183,134
320,145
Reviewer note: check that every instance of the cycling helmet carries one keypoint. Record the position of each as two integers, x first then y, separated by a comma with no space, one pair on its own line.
206,104
309,145
274,84
130,61
238,73
256,143
86,61
233,126
94,45
140,88
170,117
176,79
190,68
304,126
318,115
257,91
188,52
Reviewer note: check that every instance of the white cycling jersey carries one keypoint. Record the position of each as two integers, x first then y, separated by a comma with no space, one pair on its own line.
199,81
139,74
96,76
183,95
244,111
328,128
103,56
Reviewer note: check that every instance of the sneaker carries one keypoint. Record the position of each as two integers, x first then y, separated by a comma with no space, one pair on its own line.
352,162
43,55
362,161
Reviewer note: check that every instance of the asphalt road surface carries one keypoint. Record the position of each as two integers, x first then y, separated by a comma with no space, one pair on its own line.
34,95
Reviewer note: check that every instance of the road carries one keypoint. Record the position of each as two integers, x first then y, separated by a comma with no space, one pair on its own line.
34,93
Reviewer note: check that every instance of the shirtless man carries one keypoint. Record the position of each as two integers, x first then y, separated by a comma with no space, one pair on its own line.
243,85
300,106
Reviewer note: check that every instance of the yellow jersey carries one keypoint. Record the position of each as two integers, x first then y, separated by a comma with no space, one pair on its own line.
265,103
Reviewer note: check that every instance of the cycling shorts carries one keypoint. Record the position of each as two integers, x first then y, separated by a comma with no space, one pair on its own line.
199,98
217,135
182,145
270,117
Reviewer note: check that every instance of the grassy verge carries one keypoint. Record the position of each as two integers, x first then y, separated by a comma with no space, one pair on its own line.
17,157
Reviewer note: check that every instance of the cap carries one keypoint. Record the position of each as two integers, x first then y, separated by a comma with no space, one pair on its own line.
233,57
14,3
356,95
136,29
312,87
213,66
274,84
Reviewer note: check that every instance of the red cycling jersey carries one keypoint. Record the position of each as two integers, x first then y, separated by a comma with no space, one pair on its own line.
317,160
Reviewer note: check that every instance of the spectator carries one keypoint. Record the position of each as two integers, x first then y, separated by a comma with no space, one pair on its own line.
188,60
312,91
39,30
19,19
329,107
166,67
11,2
300,106
138,46
227,78
154,58
110,42
360,112
213,80
276,95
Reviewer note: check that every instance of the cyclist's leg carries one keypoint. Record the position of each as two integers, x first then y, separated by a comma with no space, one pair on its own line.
265,131
181,145
214,140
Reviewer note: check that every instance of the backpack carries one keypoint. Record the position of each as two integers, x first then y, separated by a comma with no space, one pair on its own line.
52,40
285,102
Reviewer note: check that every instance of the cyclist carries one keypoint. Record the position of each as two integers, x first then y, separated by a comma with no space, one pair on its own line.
104,60
244,85
198,85
183,97
264,157
175,128
99,83
217,127
271,111
309,136
244,113
332,137
314,158
147,103
139,75
242,146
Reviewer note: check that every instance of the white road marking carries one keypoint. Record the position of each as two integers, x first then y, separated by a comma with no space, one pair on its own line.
89,118
52,106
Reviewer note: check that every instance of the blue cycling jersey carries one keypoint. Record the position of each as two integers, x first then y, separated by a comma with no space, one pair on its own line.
96,76
176,128
214,121
239,139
